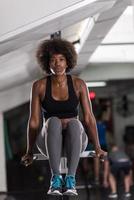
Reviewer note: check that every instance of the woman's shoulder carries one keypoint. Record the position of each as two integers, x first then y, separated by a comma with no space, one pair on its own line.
78,81
40,82
39,85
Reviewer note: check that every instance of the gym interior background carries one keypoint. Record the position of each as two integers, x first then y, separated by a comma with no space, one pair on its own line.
103,34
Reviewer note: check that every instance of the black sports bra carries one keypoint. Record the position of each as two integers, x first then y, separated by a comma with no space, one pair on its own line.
58,108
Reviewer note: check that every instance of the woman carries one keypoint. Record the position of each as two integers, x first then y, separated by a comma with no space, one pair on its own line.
58,96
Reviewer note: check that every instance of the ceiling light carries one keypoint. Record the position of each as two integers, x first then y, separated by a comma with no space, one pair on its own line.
96,84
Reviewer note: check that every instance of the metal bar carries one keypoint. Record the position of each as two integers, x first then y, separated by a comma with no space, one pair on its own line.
84,154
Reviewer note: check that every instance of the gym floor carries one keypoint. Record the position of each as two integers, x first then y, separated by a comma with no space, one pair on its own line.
97,193
32,183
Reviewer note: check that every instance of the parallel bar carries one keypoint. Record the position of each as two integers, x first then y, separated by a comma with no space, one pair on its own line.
63,164
84,154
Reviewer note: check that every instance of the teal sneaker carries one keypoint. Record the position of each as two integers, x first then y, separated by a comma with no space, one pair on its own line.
56,185
70,186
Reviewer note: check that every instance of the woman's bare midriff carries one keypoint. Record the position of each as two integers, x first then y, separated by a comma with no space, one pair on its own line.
65,122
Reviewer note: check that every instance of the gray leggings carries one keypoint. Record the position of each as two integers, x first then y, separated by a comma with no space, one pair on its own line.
55,142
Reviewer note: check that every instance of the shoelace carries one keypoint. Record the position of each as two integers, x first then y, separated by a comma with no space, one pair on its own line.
56,181
70,182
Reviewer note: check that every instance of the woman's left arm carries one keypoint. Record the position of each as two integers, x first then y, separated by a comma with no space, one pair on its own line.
89,119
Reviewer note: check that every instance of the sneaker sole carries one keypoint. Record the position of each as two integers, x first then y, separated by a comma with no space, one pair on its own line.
128,196
116,197
55,193
70,193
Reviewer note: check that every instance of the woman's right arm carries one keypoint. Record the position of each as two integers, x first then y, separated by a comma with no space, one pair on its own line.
34,122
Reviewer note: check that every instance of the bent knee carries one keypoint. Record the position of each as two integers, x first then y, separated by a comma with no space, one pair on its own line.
75,124
53,121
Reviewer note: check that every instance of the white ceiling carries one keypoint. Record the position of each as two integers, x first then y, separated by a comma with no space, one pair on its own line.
18,46
118,45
